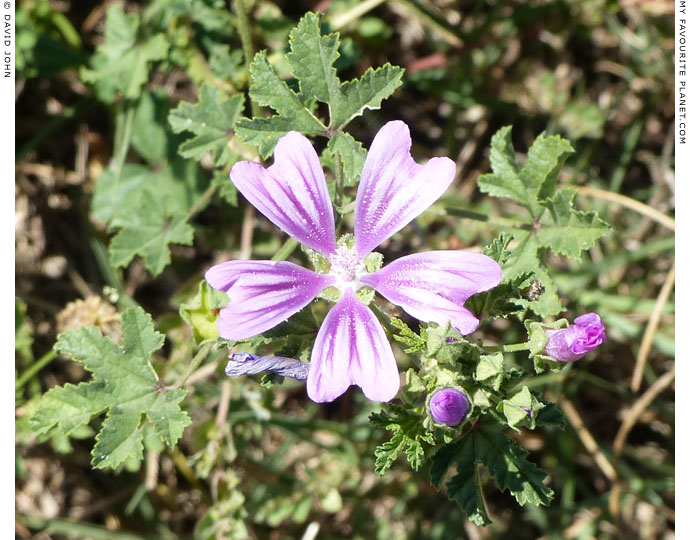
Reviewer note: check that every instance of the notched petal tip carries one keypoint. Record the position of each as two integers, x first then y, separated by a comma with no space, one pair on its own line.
351,348
394,189
292,193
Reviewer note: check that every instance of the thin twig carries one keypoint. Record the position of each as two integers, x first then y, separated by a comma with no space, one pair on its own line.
639,407
152,466
415,12
652,326
224,404
631,418
202,373
637,206
588,440
341,19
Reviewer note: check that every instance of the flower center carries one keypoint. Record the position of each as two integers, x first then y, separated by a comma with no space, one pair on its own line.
347,266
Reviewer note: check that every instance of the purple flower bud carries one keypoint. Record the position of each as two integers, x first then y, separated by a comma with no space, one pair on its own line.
578,339
251,364
449,406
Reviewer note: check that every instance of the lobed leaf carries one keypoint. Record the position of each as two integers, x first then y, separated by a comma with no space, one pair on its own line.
568,231
211,119
534,182
269,90
121,63
486,443
124,384
352,155
147,230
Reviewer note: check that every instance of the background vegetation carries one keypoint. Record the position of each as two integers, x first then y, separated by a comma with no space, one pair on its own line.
94,113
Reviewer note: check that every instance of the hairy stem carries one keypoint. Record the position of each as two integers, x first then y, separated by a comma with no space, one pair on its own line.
244,30
125,136
35,368
285,250
196,361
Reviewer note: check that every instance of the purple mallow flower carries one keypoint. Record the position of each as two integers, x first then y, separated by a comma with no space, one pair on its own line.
351,346
449,406
572,343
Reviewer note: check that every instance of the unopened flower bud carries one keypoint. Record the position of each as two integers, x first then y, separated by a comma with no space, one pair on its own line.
572,343
449,406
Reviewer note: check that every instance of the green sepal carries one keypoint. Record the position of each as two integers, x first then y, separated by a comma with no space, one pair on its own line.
521,409
201,313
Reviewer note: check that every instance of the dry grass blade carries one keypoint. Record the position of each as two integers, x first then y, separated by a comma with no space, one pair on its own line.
632,204
639,407
652,326
588,440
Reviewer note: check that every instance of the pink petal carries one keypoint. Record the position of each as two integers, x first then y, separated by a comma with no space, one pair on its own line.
351,348
433,286
292,192
262,294
394,189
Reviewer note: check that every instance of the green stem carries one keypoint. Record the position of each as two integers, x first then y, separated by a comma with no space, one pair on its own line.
495,220
125,137
339,183
285,250
35,368
196,361
202,201
512,347
246,38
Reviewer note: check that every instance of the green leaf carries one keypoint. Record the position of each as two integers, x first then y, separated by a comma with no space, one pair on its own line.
211,120
226,188
536,181
124,385
312,58
409,434
151,136
464,487
181,181
504,180
557,225
352,155
498,248
506,461
568,231
121,63
551,415
269,90
367,92
526,258
414,342
146,230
